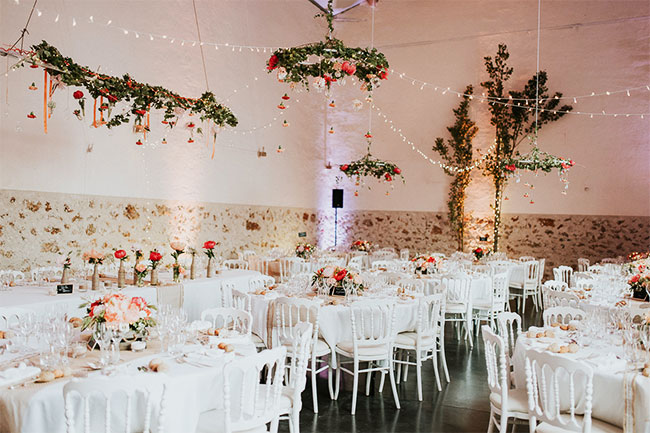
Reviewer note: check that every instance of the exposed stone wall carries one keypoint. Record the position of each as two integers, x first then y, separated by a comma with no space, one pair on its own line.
35,226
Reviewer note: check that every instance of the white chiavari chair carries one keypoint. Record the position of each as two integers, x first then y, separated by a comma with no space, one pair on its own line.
291,401
529,287
122,403
288,313
260,283
242,301
388,265
235,264
583,264
372,324
412,285
227,288
249,403
585,284
509,328
526,258
458,305
505,402
558,389
562,315
487,309
404,254
557,298
246,254
423,342
356,262
229,318
564,274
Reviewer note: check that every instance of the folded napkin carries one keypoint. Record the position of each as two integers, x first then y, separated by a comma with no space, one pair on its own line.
14,375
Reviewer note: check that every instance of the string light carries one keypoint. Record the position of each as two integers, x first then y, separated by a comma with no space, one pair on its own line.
439,163
424,84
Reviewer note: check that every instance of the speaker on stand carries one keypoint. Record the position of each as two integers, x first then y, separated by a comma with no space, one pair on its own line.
337,202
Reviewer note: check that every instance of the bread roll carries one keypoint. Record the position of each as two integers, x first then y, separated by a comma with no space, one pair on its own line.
46,376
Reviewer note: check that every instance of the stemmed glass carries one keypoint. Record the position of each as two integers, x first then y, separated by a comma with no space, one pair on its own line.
103,335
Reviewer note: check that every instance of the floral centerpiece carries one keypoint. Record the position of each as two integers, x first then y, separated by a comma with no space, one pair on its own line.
424,264
640,285
121,272
637,263
139,255
360,245
208,246
304,250
65,261
178,248
94,258
139,273
154,260
337,279
478,253
117,309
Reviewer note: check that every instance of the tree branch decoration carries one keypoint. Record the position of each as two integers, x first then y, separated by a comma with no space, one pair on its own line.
512,123
140,97
324,62
458,151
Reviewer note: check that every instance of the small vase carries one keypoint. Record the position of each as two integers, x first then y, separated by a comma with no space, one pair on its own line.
95,280
210,270
154,276
135,275
64,276
121,276
139,280
176,271
192,269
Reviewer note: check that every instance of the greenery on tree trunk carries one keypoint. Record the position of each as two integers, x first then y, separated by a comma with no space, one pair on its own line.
513,117
457,151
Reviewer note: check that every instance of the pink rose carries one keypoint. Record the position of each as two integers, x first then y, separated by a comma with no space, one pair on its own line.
140,267
177,246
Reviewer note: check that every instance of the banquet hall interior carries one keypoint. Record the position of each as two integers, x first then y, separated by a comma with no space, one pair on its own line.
324,216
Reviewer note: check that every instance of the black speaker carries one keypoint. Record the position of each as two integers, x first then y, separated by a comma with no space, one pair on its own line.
337,198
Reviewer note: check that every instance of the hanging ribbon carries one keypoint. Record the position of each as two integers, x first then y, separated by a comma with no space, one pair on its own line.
49,113
45,102
95,113
101,111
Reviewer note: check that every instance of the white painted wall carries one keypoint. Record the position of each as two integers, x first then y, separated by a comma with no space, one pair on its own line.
586,46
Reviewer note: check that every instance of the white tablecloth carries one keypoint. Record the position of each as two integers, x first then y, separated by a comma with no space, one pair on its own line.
608,385
192,390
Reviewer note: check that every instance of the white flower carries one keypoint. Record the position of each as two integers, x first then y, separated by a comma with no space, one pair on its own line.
357,105
282,73
319,83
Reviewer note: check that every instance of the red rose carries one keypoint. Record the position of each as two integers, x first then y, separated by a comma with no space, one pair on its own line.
383,74
344,167
191,125
634,279
340,275
141,112
396,170
511,167
431,260
286,97
572,163
120,254
209,245
78,94
478,250
155,256
273,62
388,177
139,142
111,98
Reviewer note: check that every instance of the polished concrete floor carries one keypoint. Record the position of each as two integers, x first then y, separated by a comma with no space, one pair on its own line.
461,406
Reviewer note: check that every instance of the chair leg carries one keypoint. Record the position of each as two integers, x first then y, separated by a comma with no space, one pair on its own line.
368,377
291,422
406,367
443,357
314,367
381,381
434,360
338,378
468,327
504,423
523,303
330,383
295,420
418,372
274,425
355,386
392,383
491,424
398,367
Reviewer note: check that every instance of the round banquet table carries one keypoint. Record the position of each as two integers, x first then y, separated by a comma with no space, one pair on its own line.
192,389
610,382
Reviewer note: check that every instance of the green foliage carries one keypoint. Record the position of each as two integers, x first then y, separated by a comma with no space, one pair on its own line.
370,65
457,151
373,167
513,119
139,96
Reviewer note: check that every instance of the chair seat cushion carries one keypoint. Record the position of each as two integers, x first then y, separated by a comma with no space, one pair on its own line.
454,308
257,341
482,304
408,340
517,400
321,348
346,348
214,421
597,426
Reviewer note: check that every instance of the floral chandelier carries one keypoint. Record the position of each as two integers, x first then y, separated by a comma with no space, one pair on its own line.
325,62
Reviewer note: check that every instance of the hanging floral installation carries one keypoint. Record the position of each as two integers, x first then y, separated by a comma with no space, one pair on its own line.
107,91
330,61
536,161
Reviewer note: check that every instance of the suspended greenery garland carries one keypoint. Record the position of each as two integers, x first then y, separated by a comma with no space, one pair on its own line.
536,160
322,63
140,96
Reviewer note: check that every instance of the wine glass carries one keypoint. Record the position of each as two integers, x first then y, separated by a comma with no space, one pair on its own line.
103,335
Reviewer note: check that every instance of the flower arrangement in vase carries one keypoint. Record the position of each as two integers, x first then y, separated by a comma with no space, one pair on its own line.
360,245
424,264
94,258
139,273
304,250
65,261
478,253
139,255
154,260
178,248
121,272
208,246
191,251
337,281
640,286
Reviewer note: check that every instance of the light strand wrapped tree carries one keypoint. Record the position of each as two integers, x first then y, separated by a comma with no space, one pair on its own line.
457,152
